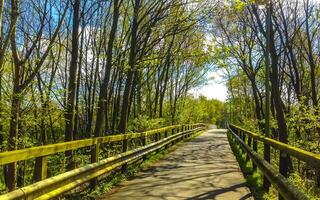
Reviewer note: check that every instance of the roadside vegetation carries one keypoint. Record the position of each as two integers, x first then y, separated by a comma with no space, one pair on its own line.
76,69
268,52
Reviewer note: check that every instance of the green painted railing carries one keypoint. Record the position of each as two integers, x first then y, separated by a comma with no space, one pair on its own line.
48,188
248,142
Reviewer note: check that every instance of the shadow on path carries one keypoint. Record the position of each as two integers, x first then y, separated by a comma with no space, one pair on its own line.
214,193
203,168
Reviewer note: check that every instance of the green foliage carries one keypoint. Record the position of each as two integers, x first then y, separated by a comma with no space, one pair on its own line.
308,188
143,123
202,110
303,125
254,178
239,5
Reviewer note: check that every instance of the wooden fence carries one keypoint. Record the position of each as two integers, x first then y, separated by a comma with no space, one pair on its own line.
248,142
47,188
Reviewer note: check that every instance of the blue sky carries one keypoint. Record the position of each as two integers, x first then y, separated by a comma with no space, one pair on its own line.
214,89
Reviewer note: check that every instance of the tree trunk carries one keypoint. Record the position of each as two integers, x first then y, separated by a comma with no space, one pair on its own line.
282,126
104,88
130,76
11,169
72,85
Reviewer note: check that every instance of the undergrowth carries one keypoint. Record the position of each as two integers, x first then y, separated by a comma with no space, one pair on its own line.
253,177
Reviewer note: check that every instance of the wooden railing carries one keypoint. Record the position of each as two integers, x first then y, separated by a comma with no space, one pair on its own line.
248,142
54,186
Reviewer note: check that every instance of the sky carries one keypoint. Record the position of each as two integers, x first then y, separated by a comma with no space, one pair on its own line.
214,89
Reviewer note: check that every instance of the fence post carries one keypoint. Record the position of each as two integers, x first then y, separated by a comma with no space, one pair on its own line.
318,177
249,144
95,150
242,138
124,149
255,149
172,133
165,136
266,152
158,135
40,168
239,133
144,143
186,135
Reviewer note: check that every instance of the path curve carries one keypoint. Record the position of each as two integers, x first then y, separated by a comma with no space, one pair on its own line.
204,168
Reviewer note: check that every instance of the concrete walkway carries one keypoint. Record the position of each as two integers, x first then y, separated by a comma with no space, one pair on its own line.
204,168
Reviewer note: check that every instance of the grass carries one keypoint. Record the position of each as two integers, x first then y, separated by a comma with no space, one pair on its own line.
253,177
115,178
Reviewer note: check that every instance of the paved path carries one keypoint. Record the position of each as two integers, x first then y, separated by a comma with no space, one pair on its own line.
203,168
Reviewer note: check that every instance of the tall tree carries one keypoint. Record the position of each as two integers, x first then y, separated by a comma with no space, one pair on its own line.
72,83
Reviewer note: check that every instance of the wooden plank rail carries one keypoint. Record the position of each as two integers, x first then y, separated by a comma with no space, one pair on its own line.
45,150
285,188
57,185
311,158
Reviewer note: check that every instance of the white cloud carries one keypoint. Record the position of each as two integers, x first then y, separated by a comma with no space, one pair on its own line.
214,89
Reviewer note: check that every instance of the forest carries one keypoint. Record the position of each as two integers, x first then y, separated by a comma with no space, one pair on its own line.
75,69
78,69
269,52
